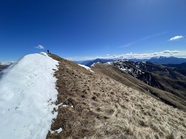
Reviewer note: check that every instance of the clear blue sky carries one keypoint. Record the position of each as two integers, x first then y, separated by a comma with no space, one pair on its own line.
90,28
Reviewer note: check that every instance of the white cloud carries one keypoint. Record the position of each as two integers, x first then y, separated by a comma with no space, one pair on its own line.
170,52
40,47
166,53
176,38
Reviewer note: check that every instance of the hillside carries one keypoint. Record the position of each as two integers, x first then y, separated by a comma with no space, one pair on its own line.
168,79
94,105
182,65
45,96
149,78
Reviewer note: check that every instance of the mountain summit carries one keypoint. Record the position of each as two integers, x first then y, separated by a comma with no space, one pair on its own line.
79,102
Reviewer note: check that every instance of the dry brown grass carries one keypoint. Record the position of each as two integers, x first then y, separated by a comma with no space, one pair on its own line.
128,80
106,109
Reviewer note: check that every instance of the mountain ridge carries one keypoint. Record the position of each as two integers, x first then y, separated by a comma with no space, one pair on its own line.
133,77
89,104
155,60
100,107
167,60
27,96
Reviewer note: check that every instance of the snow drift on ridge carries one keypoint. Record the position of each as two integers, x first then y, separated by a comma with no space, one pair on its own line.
27,93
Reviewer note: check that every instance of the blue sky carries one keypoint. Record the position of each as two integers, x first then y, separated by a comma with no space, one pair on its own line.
83,29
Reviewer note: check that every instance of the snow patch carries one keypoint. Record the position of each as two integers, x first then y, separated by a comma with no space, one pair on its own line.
108,63
93,65
44,54
86,67
58,131
65,105
27,96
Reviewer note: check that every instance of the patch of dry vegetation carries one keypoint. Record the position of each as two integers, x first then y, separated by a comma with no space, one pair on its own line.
98,107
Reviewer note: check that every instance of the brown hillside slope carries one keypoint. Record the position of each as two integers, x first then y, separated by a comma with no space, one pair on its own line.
94,106
128,80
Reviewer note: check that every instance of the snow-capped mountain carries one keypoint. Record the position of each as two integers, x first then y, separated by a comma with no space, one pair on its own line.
136,69
27,96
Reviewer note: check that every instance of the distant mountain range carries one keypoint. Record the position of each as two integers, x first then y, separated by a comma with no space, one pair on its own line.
167,60
90,62
155,60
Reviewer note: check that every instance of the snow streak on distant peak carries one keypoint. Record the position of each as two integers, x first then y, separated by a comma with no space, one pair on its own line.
27,96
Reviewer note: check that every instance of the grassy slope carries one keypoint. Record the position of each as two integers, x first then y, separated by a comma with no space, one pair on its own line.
104,108
176,87
126,79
